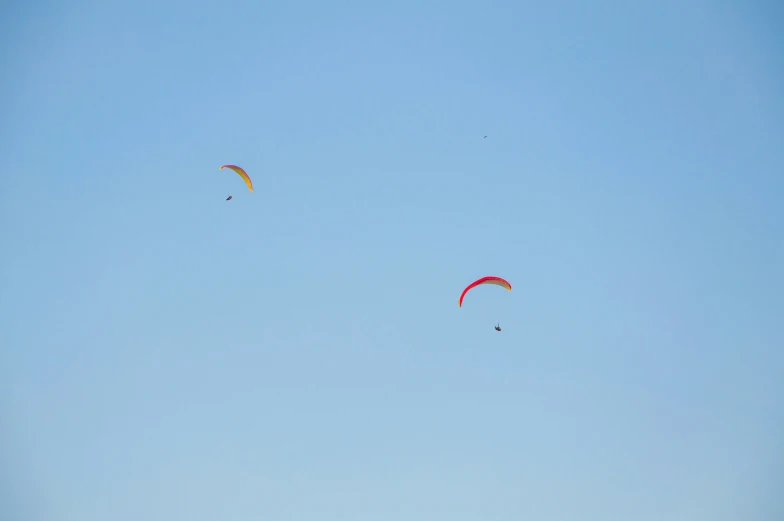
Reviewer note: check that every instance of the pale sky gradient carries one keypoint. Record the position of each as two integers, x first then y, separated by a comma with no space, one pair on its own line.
297,353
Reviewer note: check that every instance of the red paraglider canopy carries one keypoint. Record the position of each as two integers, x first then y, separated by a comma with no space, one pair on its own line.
498,281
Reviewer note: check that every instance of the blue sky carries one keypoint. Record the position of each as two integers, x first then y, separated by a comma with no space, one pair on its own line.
298,354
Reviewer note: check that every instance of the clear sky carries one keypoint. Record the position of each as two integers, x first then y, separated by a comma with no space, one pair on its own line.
298,354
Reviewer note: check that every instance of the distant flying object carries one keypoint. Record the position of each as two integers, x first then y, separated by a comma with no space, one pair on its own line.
498,327
484,137
228,198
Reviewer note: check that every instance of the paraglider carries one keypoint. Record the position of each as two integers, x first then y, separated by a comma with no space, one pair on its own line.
498,281
244,175
228,198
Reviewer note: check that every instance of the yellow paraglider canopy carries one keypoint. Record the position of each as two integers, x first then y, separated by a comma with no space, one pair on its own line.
242,174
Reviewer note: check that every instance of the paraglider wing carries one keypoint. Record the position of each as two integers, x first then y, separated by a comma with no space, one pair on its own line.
498,281
242,173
